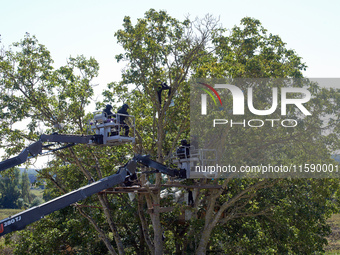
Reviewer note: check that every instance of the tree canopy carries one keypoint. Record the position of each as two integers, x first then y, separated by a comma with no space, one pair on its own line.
241,215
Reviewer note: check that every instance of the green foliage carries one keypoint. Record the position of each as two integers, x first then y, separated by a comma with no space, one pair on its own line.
159,49
33,91
245,216
37,201
5,213
15,190
249,51
48,100
65,232
9,190
295,221
25,187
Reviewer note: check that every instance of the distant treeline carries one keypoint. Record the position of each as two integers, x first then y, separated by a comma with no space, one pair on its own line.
15,190
32,174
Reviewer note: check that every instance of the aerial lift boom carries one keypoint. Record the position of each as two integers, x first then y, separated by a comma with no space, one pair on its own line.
37,147
124,175
100,125
106,133
20,220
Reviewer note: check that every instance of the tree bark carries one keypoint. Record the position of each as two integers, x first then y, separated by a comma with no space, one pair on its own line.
144,224
101,233
105,204
208,226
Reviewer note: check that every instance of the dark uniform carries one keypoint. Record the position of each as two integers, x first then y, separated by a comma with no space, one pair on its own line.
123,110
183,151
160,88
110,115
107,111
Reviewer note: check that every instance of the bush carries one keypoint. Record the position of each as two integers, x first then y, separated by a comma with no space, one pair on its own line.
37,201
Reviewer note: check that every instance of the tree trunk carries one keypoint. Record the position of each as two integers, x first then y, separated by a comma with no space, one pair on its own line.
202,247
101,233
210,223
105,204
157,232
156,222
155,215
144,223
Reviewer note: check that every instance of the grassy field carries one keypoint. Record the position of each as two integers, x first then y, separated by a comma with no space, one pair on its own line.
37,192
4,213
333,247
5,248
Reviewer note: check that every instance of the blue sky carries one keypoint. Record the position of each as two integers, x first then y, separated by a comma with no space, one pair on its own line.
71,28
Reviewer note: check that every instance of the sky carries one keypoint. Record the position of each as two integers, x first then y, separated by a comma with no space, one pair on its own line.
74,27
86,27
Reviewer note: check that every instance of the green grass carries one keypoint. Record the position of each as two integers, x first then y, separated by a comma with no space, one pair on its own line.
5,213
333,247
335,220
332,252
37,192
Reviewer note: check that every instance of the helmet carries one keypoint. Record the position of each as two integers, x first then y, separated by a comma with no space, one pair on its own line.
184,142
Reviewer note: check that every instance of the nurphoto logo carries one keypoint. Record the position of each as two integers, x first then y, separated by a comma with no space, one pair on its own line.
238,102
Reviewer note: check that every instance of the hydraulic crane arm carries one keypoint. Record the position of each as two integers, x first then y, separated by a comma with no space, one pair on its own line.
34,149
146,161
37,147
84,139
22,219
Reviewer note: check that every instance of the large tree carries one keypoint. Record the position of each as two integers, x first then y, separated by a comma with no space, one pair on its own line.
161,49
283,215
25,188
9,190
36,98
